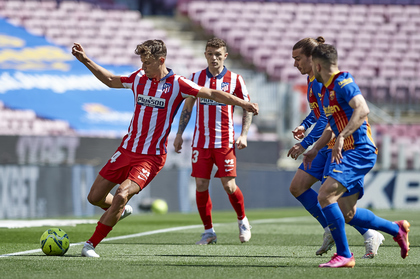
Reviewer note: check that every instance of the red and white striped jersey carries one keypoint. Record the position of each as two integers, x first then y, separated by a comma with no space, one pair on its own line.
214,121
156,104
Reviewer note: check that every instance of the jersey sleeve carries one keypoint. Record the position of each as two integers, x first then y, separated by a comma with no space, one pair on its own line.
188,88
128,81
309,120
348,89
241,90
316,132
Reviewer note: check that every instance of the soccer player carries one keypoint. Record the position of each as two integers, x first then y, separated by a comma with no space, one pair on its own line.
303,180
353,156
158,93
213,141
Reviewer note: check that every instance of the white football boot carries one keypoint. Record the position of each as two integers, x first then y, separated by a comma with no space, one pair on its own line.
89,251
127,212
372,244
327,244
244,230
207,238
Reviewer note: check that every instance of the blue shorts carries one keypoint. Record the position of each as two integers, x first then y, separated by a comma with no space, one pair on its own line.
356,163
319,167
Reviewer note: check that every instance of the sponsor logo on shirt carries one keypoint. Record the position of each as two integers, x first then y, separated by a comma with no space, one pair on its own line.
150,101
313,105
344,82
331,109
208,102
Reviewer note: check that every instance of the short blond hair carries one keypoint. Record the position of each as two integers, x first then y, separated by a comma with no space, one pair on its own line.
151,48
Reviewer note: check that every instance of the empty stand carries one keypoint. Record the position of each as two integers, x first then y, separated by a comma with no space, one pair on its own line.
376,41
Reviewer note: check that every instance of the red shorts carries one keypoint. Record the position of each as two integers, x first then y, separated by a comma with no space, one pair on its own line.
203,159
139,168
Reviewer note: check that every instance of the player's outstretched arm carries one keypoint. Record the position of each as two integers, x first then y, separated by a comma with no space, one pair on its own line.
228,99
183,122
101,73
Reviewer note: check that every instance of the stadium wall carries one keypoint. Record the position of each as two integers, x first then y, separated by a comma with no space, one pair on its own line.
51,176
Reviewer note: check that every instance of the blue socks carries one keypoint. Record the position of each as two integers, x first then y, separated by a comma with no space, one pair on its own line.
366,219
309,200
336,224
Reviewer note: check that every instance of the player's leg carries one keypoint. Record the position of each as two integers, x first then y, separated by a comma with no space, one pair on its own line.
140,171
329,193
236,199
301,189
202,164
99,192
399,230
111,216
372,238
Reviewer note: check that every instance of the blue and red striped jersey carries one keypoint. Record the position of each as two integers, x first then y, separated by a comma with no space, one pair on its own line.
340,89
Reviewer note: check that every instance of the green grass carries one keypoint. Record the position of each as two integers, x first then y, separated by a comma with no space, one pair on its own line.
281,247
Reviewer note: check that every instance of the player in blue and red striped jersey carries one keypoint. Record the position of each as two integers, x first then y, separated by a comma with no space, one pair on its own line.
158,93
214,139
305,178
353,156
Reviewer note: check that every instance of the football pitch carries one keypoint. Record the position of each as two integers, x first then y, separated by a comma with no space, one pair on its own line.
283,245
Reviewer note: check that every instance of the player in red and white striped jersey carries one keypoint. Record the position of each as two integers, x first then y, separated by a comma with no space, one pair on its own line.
214,139
158,93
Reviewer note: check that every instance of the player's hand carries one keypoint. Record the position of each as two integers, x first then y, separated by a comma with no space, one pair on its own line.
78,52
299,132
336,155
252,107
295,151
308,157
178,143
241,142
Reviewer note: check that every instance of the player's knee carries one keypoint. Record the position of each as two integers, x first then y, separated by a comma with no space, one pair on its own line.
121,196
323,199
202,185
92,199
230,189
348,216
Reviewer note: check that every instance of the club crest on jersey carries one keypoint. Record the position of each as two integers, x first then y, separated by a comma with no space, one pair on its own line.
310,93
332,95
166,87
151,101
225,86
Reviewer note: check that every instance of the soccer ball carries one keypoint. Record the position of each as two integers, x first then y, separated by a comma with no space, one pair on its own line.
54,242
159,206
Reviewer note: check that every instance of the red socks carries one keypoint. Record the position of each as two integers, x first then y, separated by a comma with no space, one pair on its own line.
100,233
237,201
204,207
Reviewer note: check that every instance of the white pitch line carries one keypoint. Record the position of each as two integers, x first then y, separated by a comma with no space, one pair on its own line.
262,221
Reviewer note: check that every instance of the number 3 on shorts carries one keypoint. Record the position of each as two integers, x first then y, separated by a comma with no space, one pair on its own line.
195,156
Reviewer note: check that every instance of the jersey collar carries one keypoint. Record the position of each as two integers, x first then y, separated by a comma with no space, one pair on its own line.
311,79
328,83
219,76
170,73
